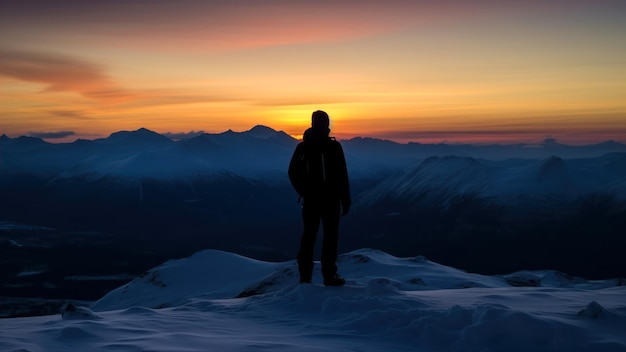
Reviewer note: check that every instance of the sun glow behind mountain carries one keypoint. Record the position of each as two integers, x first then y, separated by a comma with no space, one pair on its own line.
451,71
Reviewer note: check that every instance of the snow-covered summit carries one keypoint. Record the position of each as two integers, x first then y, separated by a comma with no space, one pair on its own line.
209,274
216,300
221,275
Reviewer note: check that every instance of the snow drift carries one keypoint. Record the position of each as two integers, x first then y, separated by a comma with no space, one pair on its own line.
221,301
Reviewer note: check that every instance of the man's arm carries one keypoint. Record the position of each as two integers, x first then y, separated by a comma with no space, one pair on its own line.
344,182
295,172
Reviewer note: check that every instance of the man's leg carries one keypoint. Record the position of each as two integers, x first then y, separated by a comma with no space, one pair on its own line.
330,221
311,220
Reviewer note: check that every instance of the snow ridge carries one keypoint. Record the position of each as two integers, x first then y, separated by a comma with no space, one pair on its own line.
216,300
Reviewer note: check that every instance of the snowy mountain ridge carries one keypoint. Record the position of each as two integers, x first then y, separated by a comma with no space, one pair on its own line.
442,178
176,281
216,300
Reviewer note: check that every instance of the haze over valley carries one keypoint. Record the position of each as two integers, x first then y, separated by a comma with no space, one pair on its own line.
79,219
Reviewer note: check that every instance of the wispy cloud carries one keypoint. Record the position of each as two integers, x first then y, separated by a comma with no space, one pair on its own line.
60,73
236,24
467,136
224,25
52,135
72,114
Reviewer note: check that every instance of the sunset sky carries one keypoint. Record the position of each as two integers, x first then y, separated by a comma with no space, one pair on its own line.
427,71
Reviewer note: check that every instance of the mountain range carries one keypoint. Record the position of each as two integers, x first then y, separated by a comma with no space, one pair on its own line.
482,208
257,152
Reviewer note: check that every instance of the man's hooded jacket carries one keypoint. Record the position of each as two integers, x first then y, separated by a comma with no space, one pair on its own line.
318,169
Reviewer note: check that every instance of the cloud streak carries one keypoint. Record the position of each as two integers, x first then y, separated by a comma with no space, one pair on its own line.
52,135
71,114
238,24
225,25
60,74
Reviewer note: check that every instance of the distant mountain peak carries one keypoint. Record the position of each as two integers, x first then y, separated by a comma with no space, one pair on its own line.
261,131
610,144
144,130
141,131
553,162
142,135
553,169
260,128
30,140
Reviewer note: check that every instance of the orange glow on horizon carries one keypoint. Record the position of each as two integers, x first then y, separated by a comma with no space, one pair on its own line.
396,70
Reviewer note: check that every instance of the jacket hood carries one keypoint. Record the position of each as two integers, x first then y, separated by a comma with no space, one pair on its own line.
315,134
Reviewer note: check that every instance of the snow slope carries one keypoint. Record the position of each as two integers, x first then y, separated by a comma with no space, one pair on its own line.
439,179
224,302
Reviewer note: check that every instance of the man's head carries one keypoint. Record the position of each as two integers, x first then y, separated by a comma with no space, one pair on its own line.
320,120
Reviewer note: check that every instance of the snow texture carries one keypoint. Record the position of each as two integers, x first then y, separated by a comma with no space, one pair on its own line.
440,179
218,301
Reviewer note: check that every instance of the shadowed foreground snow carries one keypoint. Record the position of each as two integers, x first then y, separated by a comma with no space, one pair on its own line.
224,302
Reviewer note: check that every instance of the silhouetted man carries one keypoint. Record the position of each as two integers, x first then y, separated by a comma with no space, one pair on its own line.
318,173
